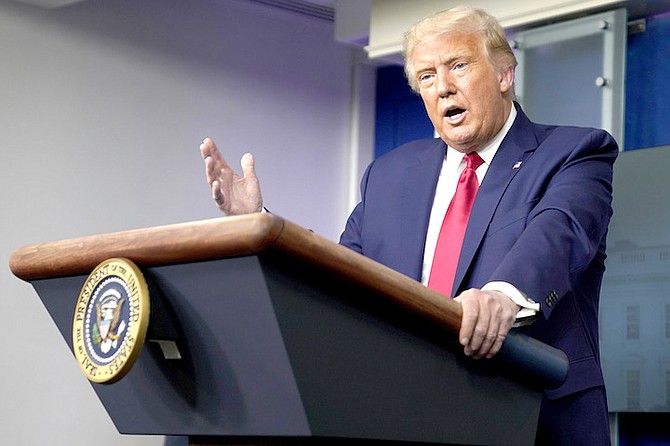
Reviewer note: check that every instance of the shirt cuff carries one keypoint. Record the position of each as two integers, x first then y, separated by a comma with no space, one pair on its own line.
529,308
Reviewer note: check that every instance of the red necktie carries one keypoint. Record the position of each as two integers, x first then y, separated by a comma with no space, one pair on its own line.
450,240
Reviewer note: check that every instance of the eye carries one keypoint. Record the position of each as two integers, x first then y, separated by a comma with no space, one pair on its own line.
460,65
426,77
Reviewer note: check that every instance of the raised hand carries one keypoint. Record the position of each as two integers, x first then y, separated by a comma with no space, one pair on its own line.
233,194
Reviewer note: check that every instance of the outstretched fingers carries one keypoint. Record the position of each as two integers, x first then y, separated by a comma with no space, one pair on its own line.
215,164
232,193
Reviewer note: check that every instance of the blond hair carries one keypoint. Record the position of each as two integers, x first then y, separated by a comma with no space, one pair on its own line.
462,19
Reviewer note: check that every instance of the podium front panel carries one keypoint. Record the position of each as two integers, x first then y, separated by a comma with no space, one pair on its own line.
234,377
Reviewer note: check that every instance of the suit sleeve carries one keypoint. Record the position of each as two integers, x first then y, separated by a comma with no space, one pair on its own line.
562,246
351,237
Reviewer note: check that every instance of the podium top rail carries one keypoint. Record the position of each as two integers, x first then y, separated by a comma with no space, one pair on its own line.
156,246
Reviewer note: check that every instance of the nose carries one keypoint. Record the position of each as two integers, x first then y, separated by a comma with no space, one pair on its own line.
444,83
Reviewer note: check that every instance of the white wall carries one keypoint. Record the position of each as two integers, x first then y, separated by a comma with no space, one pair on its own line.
102,107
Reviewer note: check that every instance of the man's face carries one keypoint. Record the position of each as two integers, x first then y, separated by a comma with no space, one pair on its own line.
462,91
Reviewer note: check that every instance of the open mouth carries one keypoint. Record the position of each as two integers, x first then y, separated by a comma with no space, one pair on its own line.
454,114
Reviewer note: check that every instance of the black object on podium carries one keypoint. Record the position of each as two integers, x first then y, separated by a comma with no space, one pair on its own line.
283,337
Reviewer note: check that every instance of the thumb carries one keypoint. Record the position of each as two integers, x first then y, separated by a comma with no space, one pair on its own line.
247,163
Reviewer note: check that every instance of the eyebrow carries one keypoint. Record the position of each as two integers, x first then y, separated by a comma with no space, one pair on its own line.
445,59
459,55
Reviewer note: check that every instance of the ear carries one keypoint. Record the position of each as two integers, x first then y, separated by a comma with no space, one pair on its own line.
506,78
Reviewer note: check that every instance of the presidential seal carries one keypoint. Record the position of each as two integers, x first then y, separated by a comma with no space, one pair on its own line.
110,320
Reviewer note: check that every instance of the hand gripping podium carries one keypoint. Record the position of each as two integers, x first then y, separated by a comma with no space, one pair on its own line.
262,332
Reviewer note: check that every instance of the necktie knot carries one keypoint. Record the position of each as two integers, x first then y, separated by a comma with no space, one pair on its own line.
473,160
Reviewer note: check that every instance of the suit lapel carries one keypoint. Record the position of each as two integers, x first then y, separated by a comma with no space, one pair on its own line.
422,173
515,149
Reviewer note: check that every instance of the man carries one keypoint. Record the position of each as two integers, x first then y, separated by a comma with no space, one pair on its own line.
536,230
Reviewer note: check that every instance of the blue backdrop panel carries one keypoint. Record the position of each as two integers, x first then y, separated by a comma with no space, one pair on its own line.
400,115
647,92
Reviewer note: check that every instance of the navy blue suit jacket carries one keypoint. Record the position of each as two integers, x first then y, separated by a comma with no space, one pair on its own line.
539,222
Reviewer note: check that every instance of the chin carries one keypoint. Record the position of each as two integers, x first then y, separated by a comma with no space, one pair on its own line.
460,145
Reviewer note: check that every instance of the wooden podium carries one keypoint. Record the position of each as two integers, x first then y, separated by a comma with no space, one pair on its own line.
288,338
